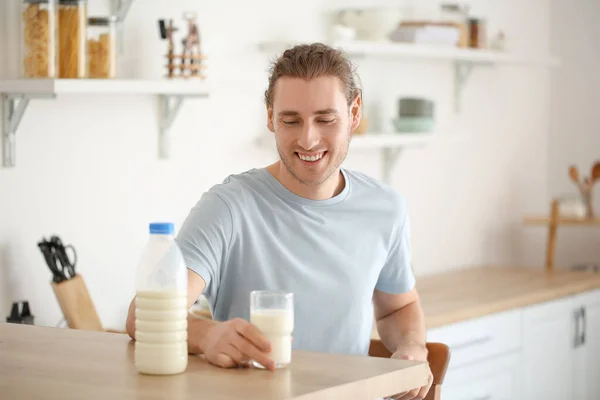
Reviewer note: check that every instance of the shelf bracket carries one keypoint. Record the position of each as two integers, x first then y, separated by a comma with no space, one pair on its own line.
389,157
120,8
169,108
461,73
169,104
13,109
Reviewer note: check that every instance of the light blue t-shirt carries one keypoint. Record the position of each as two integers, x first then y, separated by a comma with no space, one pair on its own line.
251,233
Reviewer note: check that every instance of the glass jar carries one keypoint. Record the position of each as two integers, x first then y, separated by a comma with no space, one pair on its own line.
39,40
72,26
102,47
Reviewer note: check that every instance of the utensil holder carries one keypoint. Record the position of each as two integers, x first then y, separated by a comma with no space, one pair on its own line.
76,304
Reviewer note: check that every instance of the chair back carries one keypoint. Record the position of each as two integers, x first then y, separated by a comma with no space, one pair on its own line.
438,358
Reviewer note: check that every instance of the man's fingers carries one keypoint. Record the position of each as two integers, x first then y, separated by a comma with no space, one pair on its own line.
248,349
254,335
236,355
408,396
224,361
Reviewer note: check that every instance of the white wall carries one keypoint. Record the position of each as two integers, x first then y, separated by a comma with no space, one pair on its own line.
87,166
575,120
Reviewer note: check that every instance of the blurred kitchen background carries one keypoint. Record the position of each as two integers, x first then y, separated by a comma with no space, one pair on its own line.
87,163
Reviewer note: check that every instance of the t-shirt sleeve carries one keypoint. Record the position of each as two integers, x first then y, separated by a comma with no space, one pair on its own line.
204,239
397,275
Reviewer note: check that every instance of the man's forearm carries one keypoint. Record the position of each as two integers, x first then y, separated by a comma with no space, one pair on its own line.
197,329
404,328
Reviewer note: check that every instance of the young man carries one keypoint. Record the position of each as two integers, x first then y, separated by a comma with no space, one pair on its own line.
337,239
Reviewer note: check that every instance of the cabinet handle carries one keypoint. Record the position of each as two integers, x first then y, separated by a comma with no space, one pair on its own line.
584,323
473,342
577,340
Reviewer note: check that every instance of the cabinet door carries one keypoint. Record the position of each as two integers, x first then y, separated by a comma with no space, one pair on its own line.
587,348
548,347
494,379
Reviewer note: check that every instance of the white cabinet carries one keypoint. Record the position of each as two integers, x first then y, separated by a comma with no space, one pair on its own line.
545,351
586,357
548,343
485,357
495,379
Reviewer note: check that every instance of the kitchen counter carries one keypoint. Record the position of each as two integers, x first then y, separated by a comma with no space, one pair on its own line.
54,363
463,294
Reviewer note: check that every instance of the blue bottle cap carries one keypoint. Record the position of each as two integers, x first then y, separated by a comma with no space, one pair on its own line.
161,228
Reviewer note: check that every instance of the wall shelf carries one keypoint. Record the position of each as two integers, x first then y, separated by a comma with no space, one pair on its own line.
463,60
389,144
16,94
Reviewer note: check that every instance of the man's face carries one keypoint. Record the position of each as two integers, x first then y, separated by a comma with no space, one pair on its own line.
312,124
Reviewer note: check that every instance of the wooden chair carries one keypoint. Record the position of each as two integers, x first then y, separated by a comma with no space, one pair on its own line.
438,358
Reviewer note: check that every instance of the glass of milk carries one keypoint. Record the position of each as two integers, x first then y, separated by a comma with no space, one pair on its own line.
273,313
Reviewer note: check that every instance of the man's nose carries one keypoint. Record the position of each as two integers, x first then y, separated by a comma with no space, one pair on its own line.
309,137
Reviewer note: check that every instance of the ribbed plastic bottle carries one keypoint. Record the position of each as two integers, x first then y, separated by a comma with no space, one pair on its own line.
161,305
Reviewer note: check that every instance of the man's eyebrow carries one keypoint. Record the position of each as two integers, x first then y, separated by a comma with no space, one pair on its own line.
327,111
290,113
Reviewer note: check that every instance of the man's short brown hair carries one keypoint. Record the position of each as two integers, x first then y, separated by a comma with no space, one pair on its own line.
309,61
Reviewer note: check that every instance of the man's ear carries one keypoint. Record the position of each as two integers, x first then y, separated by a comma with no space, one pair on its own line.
356,112
270,124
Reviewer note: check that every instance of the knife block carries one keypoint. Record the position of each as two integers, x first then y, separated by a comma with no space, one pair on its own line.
77,305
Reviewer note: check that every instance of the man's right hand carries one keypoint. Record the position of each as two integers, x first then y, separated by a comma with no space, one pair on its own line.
234,343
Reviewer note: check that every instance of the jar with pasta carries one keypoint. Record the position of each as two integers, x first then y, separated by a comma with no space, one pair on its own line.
72,27
39,39
102,47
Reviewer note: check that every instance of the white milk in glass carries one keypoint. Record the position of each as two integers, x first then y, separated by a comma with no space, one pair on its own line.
273,314
277,326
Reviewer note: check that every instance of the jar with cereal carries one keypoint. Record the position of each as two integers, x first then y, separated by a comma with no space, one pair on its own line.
39,39
72,50
102,47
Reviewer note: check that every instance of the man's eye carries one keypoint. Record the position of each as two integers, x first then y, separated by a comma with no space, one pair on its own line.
326,121
290,122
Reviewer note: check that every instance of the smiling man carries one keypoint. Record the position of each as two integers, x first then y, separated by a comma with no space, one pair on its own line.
338,239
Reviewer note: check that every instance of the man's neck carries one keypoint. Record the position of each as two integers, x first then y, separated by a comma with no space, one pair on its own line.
328,189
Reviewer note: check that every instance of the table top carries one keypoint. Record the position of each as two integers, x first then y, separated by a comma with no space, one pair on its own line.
56,363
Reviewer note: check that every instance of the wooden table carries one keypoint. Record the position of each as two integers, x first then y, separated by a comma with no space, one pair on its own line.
55,363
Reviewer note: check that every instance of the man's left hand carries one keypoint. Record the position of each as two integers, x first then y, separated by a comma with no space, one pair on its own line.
418,353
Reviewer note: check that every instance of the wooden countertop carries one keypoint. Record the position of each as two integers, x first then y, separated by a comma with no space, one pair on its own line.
459,295
54,363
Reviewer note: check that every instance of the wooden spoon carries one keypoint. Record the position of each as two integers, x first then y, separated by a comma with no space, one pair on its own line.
596,172
574,174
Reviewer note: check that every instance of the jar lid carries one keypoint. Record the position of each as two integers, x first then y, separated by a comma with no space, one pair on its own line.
72,1
36,1
102,21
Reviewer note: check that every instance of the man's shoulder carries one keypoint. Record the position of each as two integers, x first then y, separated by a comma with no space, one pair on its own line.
237,187
365,186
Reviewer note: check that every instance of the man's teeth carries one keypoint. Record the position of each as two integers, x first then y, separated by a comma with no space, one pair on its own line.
311,158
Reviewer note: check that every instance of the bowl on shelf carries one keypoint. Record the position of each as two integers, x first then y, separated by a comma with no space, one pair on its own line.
413,124
414,115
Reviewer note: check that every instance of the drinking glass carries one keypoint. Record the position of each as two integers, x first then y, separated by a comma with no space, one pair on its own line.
273,313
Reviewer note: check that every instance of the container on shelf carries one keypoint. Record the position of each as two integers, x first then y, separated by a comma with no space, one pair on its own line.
414,115
102,47
457,14
72,27
39,39
477,33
